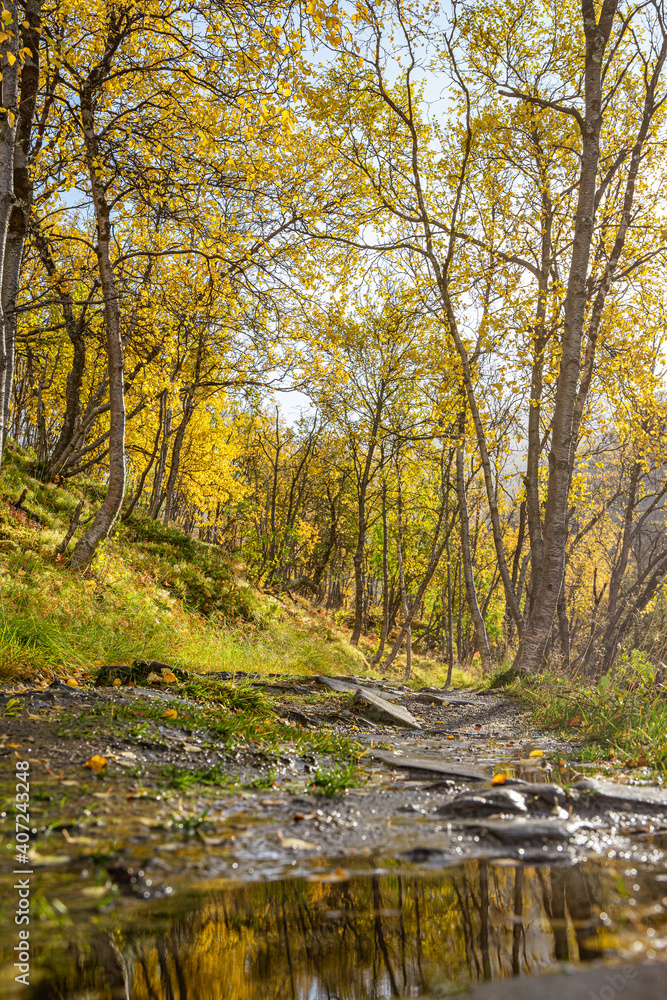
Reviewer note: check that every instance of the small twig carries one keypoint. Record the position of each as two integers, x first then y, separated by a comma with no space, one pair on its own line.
18,505
73,525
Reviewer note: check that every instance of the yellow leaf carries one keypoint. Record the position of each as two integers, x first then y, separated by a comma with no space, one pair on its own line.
536,753
14,746
499,779
97,763
11,59
72,683
170,713
168,677
117,682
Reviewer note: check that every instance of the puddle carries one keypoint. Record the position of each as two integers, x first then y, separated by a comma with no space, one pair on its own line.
338,933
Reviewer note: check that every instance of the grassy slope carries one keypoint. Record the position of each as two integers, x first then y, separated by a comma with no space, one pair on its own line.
153,593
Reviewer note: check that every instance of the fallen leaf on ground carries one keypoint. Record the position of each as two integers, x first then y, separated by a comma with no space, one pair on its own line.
499,779
153,678
72,683
96,763
117,682
170,713
294,843
168,677
536,753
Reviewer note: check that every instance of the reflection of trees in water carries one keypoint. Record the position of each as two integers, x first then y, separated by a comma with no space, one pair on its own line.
365,939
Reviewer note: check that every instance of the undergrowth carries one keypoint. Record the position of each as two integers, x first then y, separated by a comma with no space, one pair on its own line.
152,593
620,717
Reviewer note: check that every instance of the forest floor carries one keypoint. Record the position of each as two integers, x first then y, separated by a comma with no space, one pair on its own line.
163,788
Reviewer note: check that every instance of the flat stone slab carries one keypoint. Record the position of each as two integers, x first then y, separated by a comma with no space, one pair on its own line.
521,831
623,982
379,708
461,772
336,684
607,793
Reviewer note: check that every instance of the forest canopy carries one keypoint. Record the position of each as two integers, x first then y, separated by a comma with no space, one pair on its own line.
442,225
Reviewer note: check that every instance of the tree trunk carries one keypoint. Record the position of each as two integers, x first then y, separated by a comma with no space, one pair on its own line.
176,460
466,558
450,623
23,192
385,577
358,559
547,582
74,382
407,630
156,495
434,559
110,509
8,125
142,480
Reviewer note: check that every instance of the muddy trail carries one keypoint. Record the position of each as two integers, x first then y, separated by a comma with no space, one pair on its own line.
176,836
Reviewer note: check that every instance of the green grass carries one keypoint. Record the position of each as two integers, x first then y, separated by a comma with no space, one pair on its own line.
152,593
333,781
621,717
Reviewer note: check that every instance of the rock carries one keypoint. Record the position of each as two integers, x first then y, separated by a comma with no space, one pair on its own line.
536,793
484,803
381,710
629,982
138,672
433,765
521,831
439,699
343,687
604,793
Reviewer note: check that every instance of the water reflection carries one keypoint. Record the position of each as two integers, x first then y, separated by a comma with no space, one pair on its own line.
340,938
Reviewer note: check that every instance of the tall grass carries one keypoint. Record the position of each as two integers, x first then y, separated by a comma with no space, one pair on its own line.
620,717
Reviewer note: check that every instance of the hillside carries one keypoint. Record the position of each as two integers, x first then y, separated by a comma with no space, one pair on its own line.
152,593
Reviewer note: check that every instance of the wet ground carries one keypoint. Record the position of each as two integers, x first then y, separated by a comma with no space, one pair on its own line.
204,862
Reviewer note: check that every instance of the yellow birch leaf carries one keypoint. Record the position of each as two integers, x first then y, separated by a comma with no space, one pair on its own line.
96,763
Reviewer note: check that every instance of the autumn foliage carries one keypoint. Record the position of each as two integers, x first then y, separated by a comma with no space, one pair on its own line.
442,227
